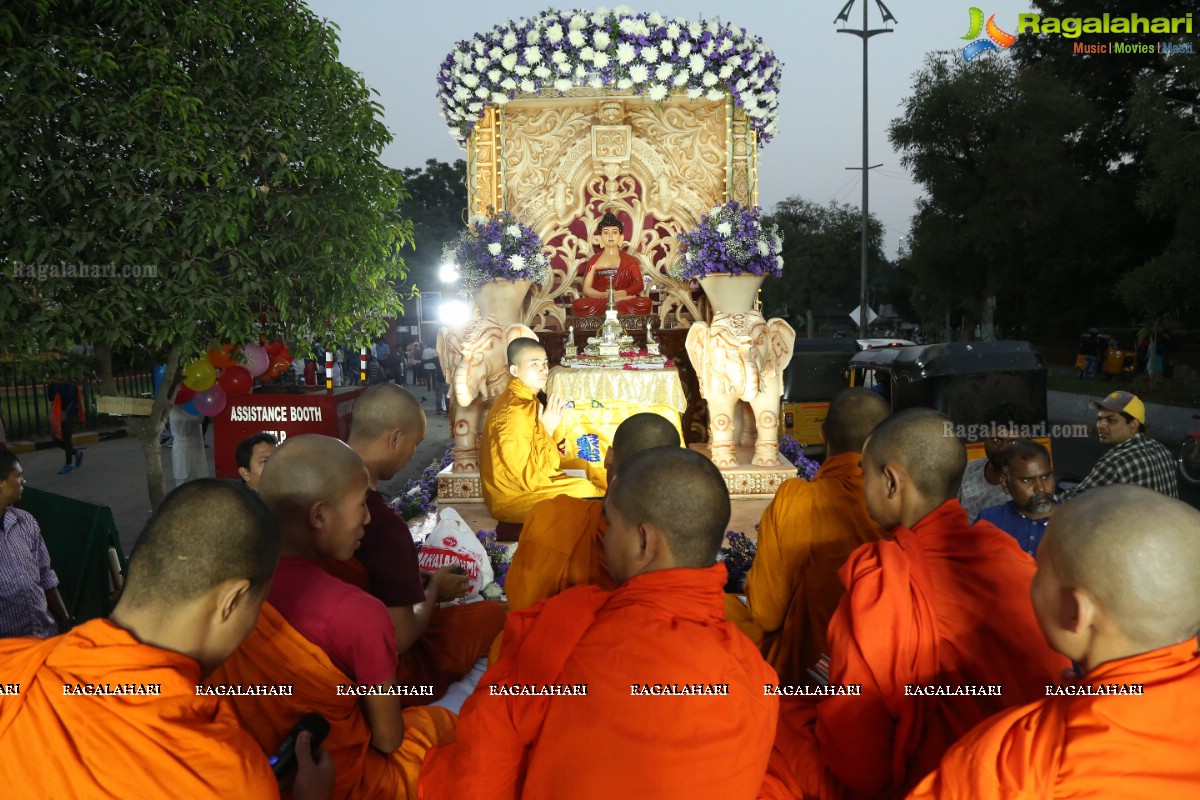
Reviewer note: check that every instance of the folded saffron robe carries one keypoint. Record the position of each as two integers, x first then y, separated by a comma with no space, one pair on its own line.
805,536
277,653
943,604
169,745
519,462
662,628
1135,747
562,545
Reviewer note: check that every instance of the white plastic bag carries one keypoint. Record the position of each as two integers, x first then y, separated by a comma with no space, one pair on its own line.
452,542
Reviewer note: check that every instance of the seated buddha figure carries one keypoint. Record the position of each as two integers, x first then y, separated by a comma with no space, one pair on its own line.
611,267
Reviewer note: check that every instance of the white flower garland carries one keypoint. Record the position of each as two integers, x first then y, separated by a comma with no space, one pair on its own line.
559,50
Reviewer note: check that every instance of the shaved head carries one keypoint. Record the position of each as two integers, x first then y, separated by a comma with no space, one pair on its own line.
681,493
1137,552
639,432
382,409
853,414
519,346
306,470
917,440
205,532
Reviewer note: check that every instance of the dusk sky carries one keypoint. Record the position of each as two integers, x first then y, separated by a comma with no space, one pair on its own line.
398,47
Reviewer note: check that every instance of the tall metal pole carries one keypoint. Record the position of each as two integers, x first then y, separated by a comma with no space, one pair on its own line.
865,34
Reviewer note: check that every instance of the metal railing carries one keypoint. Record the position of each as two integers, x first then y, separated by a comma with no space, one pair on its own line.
26,410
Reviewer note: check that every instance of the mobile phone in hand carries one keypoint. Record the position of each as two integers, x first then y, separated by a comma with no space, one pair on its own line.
284,759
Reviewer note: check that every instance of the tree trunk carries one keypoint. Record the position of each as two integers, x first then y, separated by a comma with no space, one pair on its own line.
987,321
808,315
146,429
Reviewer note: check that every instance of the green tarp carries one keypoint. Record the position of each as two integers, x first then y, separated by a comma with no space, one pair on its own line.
78,536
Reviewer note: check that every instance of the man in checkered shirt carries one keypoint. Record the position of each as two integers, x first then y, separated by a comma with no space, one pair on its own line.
1136,458
30,604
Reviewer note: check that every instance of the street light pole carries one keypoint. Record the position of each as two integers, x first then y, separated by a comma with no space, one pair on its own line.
865,34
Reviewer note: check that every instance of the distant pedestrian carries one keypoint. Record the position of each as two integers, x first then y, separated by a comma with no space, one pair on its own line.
415,359
65,409
188,460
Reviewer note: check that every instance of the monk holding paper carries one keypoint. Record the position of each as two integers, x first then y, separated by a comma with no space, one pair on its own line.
672,702
332,641
935,626
437,645
1115,591
111,709
519,459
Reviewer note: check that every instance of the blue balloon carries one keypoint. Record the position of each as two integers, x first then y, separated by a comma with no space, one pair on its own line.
158,373
189,407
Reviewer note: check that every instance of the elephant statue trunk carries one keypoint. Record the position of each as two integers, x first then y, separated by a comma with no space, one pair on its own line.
741,357
477,359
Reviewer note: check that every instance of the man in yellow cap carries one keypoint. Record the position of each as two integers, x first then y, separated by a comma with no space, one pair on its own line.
1136,458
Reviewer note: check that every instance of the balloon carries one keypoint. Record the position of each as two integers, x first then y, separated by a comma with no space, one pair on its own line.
221,358
199,375
235,380
278,367
275,348
190,407
157,374
257,360
211,402
184,395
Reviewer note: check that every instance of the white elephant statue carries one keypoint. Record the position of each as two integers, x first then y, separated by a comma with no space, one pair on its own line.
475,360
741,357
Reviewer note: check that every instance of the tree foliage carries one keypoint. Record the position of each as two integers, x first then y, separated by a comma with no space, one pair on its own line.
822,255
989,142
436,202
216,155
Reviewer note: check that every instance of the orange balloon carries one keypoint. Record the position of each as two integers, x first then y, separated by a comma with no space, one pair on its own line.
278,366
221,358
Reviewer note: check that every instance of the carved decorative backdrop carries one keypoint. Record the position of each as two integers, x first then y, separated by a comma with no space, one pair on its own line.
559,163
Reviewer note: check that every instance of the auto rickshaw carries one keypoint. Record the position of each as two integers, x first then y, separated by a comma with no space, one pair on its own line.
817,372
961,379
1114,357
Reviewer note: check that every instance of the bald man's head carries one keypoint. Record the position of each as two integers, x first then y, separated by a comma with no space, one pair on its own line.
382,409
643,431
519,347
205,532
679,492
306,470
1133,550
918,440
853,414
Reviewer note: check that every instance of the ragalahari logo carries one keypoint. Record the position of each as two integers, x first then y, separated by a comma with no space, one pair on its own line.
996,38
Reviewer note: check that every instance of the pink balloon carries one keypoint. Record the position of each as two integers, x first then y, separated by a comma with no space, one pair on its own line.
258,360
211,401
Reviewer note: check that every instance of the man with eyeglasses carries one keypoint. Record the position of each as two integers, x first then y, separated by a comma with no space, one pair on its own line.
1028,478
30,604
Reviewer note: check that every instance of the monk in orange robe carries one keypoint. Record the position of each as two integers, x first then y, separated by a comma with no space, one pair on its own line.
562,541
935,627
519,459
805,535
1116,592
615,269
675,705
333,642
111,708
437,646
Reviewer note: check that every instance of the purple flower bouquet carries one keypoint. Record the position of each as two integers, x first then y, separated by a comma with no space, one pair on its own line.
495,246
731,239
